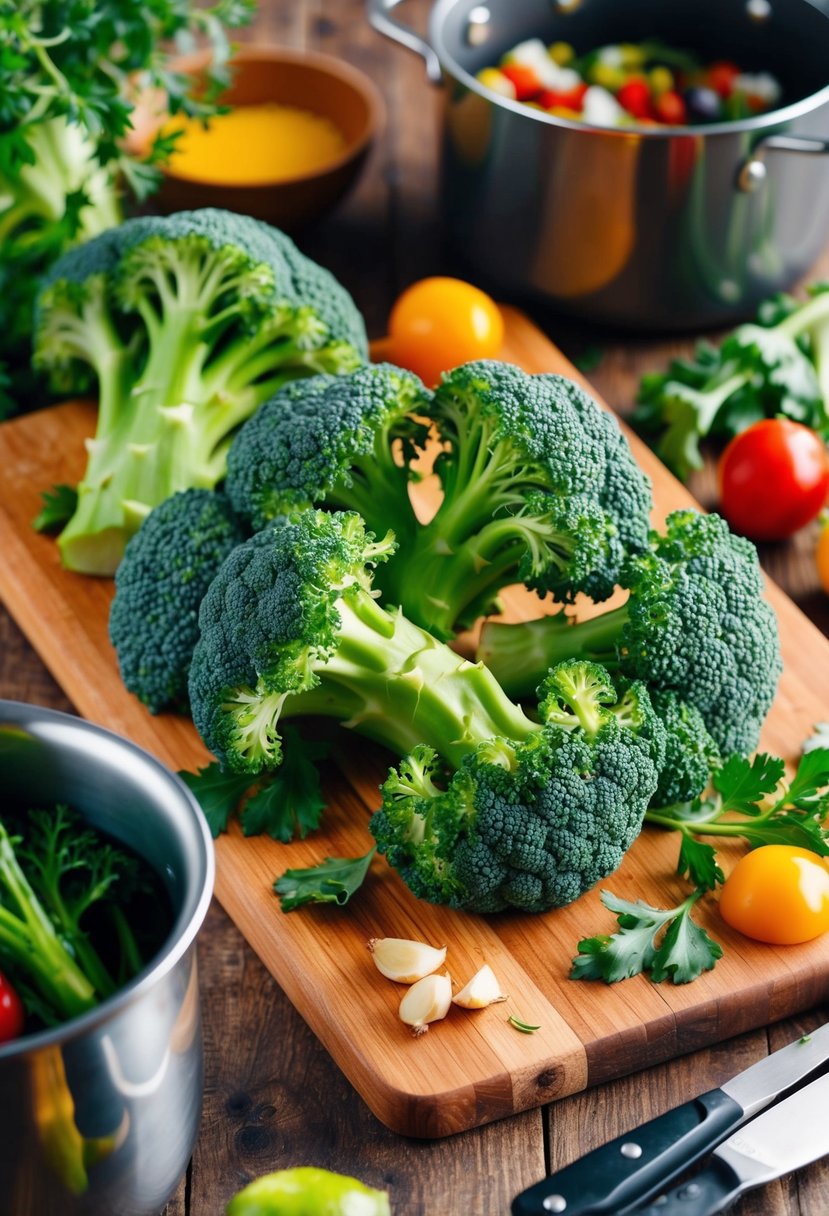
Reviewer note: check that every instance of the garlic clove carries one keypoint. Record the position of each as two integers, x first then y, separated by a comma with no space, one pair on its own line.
405,961
427,1001
482,990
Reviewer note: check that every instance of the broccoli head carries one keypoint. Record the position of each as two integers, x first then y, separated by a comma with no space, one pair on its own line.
539,486
489,808
166,569
183,325
695,622
344,442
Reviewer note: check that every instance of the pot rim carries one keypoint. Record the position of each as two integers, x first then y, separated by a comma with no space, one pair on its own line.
758,123
186,922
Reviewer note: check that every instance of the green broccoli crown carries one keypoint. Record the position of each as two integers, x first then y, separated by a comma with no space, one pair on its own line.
691,755
185,324
166,570
539,487
530,824
697,623
345,442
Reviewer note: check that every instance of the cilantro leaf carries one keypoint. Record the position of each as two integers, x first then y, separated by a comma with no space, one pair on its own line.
291,804
811,778
334,881
699,862
218,793
683,953
743,783
59,505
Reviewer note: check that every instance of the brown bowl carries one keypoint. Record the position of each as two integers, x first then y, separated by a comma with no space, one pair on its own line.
310,81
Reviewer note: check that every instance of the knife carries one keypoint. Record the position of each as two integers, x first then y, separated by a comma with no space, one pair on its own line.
633,1167
790,1135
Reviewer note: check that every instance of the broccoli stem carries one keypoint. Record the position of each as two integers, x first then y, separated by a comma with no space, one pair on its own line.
393,682
520,654
28,940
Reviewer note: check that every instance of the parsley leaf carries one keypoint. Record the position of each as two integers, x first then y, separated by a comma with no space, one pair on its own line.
218,793
682,953
291,804
334,881
743,783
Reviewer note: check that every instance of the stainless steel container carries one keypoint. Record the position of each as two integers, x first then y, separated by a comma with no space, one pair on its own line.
646,227
98,1117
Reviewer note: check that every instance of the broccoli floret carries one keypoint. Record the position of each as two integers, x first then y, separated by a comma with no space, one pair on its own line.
539,486
344,442
290,625
691,755
695,622
159,585
184,324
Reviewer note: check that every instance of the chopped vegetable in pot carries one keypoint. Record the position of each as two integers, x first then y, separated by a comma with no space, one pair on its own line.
630,84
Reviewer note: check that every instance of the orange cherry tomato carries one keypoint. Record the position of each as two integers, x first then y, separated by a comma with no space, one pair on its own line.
822,557
439,323
774,478
779,894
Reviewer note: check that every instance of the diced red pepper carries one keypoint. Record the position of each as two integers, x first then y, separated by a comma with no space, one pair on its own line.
635,97
721,77
671,109
569,99
526,82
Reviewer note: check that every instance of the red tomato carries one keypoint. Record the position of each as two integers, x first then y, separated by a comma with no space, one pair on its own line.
526,83
773,478
635,97
572,99
777,893
822,557
12,1015
671,109
720,77
439,323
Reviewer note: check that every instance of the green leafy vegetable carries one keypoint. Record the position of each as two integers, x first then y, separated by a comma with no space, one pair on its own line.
218,793
664,943
290,803
333,881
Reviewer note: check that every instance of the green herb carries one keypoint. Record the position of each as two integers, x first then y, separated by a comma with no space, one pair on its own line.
524,1027
59,504
684,949
742,805
589,358
334,881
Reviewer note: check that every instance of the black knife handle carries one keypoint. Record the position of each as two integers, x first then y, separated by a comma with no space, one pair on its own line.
712,1190
634,1167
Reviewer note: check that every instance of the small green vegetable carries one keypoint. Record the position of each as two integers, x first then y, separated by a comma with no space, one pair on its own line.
333,881
308,1191
684,952
524,1027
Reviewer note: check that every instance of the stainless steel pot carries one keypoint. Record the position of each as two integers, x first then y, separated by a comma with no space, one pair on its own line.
649,228
98,1117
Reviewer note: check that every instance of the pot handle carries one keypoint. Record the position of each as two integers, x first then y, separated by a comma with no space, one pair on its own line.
753,172
378,15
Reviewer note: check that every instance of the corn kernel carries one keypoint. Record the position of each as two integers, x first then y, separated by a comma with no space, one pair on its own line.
661,80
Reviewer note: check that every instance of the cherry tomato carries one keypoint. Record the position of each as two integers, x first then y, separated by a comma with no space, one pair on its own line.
12,1015
779,894
525,81
774,478
822,557
439,323
635,97
671,109
570,99
721,77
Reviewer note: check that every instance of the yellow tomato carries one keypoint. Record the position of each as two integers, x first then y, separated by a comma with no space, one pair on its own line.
439,323
822,557
777,893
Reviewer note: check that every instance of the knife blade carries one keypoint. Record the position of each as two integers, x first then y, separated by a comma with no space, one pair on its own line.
790,1135
633,1167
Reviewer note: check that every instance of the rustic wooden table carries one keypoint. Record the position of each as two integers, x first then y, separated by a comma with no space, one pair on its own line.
273,1096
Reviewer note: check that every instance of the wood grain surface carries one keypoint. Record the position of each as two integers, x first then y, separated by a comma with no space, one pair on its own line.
473,1068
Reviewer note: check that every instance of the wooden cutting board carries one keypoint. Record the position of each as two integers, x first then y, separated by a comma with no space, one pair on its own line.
473,1067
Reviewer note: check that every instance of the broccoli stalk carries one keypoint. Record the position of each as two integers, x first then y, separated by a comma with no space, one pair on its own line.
291,625
187,324
695,623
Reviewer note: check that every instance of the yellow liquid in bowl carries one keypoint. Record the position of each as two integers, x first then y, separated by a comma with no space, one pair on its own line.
254,145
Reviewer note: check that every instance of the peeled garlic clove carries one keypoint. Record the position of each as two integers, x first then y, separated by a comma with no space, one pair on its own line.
482,990
405,961
426,1001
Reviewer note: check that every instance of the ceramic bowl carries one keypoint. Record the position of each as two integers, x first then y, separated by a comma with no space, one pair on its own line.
309,81
100,1114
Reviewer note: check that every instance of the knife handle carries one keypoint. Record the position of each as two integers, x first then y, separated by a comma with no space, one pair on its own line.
635,1166
710,1191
